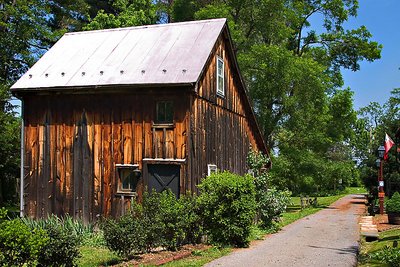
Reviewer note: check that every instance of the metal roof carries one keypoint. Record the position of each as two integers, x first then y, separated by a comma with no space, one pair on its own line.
156,54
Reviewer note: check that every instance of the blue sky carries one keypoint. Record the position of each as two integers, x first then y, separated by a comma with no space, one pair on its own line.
375,80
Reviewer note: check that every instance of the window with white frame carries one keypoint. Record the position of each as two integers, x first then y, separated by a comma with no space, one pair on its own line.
220,77
212,168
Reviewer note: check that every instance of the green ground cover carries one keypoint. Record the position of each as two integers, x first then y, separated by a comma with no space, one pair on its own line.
97,256
294,211
368,249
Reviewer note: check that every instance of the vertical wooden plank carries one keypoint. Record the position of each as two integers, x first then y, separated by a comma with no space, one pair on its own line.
97,160
33,184
60,168
69,163
42,186
169,143
77,166
127,142
164,143
91,160
158,143
148,140
53,163
139,142
116,158
155,142
148,134
86,180
107,162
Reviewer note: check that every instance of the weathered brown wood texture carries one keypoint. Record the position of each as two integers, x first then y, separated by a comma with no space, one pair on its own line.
74,138
221,133
73,142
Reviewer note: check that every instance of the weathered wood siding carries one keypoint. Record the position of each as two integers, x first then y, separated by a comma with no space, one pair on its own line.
221,133
73,141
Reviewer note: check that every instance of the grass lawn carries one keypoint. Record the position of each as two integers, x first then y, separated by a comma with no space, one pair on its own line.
93,256
294,211
368,248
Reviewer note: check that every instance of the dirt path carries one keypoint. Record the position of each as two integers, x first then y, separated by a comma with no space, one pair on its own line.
327,238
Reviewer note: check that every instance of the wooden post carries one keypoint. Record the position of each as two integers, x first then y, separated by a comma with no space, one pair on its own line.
381,193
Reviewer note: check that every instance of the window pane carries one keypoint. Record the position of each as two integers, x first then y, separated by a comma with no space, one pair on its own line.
220,67
220,85
161,111
169,112
220,77
127,179
165,112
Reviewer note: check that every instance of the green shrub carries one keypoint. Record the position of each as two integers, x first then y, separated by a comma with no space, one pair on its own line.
124,235
179,221
388,255
227,205
19,246
190,220
393,204
67,224
167,221
3,214
151,219
160,220
65,235
61,248
271,203
171,214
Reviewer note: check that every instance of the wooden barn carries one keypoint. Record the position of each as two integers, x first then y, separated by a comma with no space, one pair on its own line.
109,113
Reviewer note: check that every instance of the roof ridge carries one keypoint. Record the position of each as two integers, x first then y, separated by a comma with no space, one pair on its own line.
148,26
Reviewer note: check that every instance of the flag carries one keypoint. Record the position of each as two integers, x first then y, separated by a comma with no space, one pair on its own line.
388,145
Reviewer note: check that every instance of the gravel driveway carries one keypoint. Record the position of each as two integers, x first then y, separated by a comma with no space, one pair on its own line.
327,238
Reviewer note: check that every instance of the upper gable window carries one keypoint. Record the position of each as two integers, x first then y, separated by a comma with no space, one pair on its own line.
220,77
164,112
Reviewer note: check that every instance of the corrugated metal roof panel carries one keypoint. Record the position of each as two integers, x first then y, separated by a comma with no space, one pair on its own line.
157,54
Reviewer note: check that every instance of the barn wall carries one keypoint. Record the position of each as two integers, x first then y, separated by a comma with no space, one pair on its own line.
72,143
221,132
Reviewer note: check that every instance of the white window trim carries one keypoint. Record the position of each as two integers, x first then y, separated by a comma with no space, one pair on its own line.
220,91
211,168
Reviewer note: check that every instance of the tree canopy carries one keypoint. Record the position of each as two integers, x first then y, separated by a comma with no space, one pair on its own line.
292,70
290,52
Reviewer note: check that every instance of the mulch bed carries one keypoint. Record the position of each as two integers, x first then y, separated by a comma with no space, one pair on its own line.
382,223
161,257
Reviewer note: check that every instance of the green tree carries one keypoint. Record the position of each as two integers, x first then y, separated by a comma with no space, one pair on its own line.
9,150
27,29
294,80
125,13
374,122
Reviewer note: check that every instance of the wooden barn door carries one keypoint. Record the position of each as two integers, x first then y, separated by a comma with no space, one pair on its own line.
163,177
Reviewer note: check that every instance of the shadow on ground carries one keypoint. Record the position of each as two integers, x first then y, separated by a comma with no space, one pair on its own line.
350,250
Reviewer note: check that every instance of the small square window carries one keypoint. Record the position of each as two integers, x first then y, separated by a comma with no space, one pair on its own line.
211,169
129,176
164,112
220,77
